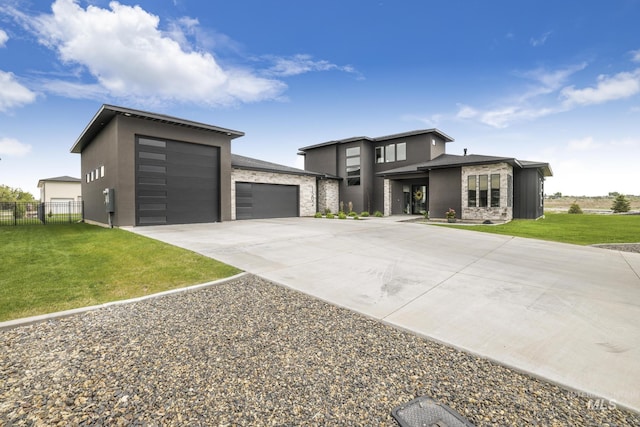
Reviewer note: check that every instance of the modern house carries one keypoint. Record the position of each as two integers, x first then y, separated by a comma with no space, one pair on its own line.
411,173
142,168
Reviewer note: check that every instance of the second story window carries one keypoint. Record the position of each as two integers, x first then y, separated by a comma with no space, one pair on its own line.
353,165
401,151
379,154
390,153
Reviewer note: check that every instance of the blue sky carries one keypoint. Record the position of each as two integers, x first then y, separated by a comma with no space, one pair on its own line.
553,81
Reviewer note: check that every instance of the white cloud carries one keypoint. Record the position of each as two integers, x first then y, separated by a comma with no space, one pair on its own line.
12,93
13,147
535,42
531,103
608,88
300,64
584,144
3,38
124,50
635,55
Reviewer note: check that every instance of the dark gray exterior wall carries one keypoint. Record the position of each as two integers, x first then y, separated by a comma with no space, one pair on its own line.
102,152
322,160
445,187
528,200
116,145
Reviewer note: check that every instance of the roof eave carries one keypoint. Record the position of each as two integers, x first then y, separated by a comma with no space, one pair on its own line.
107,112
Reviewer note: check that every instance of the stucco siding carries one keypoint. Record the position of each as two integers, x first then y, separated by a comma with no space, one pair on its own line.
60,190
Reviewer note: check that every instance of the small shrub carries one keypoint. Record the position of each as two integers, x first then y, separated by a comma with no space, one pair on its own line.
356,217
575,208
330,215
378,214
342,215
364,214
621,204
318,215
327,211
352,213
426,215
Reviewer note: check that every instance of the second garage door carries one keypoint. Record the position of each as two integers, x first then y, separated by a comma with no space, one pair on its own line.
254,201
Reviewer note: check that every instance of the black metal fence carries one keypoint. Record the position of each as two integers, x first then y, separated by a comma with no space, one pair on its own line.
26,213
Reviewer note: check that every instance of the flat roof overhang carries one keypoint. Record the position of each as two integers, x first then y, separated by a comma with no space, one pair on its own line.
108,112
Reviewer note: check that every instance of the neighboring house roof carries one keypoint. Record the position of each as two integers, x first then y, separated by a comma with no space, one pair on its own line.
441,134
445,161
248,163
108,112
59,179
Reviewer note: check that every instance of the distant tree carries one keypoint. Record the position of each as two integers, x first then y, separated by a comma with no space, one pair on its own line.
12,195
614,194
557,195
621,204
8,194
575,208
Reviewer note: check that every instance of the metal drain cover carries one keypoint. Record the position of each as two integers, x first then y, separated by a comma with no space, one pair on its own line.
426,412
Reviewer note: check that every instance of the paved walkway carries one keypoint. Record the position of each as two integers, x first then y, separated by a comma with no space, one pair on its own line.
566,313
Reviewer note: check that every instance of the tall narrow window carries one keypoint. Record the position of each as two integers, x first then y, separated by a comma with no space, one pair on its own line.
484,190
472,186
379,154
401,151
390,153
353,166
495,190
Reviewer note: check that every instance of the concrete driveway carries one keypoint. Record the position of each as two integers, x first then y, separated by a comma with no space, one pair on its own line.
566,313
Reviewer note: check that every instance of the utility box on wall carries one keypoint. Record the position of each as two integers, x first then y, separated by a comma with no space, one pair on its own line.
109,200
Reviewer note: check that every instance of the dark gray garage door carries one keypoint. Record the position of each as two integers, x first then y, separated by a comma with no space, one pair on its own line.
176,182
255,201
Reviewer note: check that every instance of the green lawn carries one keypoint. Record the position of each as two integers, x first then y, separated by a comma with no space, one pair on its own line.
585,229
49,268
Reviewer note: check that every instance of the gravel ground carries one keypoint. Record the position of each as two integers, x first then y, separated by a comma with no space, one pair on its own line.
250,352
625,247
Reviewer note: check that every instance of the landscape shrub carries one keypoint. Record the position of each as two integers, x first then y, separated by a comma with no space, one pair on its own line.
378,214
364,214
620,204
330,215
318,215
575,209
342,215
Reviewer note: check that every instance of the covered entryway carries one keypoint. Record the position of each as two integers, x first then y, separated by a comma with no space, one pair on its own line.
176,182
256,200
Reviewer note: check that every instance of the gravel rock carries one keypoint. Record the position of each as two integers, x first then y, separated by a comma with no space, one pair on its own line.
250,352
625,247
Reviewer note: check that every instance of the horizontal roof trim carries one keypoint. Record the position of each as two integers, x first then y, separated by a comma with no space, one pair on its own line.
441,134
60,179
108,112
248,163
446,161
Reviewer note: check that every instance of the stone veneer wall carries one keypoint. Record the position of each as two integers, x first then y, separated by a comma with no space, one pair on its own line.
502,213
307,184
387,197
328,195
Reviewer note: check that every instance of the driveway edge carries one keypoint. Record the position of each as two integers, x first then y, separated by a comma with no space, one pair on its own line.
25,321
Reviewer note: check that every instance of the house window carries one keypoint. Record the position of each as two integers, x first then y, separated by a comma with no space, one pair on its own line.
495,190
101,171
379,154
353,166
472,186
88,178
390,153
484,191
401,151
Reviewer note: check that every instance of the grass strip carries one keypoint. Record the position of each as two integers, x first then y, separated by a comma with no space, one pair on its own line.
585,229
44,269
